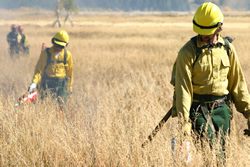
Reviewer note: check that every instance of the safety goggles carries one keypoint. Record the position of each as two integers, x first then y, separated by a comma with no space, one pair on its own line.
58,46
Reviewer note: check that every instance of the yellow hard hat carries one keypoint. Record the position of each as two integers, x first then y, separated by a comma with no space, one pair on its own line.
207,19
61,38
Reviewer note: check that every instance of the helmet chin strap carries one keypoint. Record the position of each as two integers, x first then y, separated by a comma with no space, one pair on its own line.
215,33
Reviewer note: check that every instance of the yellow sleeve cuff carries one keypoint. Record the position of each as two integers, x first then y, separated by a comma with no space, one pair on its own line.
70,89
187,127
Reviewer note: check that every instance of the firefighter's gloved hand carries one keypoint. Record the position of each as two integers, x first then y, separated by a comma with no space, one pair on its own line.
187,126
32,87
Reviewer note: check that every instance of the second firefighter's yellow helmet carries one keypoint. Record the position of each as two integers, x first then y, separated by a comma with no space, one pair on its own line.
61,38
207,19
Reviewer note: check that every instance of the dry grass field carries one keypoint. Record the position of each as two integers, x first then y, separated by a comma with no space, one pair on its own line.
121,90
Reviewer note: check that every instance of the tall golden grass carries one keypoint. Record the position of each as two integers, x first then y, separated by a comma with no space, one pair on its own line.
121,90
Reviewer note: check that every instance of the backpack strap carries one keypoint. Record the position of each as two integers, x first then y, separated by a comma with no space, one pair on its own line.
48,58
198,49
65,56
227,39
45,76
55,61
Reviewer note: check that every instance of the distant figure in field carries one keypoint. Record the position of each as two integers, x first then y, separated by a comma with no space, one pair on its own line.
69,7
68,16
13,39
23,45
57,14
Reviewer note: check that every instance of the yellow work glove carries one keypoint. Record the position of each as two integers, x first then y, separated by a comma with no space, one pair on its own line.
187,126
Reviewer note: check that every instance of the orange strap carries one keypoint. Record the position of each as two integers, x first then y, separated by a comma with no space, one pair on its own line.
43,47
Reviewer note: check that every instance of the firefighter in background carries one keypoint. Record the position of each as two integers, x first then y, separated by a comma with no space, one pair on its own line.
54,70
13,39
68,16
70,8
58,8
23,45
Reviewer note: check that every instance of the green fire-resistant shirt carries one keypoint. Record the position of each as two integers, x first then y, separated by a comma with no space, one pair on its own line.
214,73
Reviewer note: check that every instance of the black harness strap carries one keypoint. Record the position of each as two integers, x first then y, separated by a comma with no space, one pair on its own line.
210,98
206,114
199,49
55,61
227,39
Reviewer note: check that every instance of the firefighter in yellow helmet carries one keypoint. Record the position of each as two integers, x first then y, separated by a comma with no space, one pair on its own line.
207,76
54,69
23,45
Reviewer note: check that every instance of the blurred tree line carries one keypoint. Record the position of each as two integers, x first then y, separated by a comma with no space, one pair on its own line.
68,5
116,5
125,5
132,5
13,4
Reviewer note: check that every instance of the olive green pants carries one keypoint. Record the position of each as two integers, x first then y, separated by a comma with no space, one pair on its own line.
221,121
56,92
